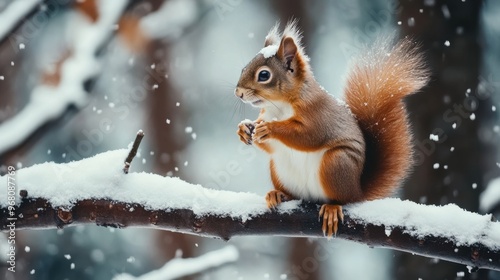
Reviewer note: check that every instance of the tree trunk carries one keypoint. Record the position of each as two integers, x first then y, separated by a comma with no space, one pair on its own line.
450,170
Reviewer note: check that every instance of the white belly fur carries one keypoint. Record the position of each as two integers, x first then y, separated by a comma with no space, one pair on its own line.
298,171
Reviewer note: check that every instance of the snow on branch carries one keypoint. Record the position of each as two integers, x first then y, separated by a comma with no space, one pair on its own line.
169,22
96,191
48,102
490,197
14,14
177,268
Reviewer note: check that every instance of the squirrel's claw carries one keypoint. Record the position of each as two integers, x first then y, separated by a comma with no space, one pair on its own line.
331,214
245,130
274,198
261,132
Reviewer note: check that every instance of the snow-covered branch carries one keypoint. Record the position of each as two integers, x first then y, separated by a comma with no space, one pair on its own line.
177,268
170,21
490,197
96,191
48,102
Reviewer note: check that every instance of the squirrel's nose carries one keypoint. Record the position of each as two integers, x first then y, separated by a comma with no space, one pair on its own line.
238,92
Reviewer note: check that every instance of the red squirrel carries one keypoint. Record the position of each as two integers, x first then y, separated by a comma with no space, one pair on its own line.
322,149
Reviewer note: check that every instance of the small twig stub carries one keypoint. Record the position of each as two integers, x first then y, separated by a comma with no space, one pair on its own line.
133,151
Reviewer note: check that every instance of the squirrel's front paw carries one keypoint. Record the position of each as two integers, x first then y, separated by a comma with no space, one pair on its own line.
275,197
245,130
262,132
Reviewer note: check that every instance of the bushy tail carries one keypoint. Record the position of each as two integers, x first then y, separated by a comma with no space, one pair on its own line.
374,91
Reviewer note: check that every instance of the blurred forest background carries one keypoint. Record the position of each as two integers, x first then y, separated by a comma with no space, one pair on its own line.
81,77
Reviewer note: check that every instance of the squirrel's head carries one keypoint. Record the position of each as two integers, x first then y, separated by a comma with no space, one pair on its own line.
277,72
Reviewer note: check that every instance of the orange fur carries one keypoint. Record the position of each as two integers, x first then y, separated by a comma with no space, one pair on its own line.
88,8
276,181
265,147
374,92
131,34
52,76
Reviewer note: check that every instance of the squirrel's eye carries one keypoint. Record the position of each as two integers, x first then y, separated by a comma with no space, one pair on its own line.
264,75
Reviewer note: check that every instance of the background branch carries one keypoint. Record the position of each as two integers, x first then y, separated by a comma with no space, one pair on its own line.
14,15
179,267
75,71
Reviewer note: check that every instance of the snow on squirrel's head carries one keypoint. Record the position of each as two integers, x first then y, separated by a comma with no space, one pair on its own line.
274,73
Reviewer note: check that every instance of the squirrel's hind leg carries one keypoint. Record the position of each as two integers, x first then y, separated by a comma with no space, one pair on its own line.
331,214
279,194
340,175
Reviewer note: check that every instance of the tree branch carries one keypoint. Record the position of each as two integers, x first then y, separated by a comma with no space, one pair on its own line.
38,213
76,70
67,194
15,14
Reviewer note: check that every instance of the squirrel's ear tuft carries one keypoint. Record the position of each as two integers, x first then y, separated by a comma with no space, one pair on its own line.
291,51
291,30
273,37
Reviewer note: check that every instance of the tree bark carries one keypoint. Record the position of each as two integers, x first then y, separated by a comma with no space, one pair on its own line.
37,213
